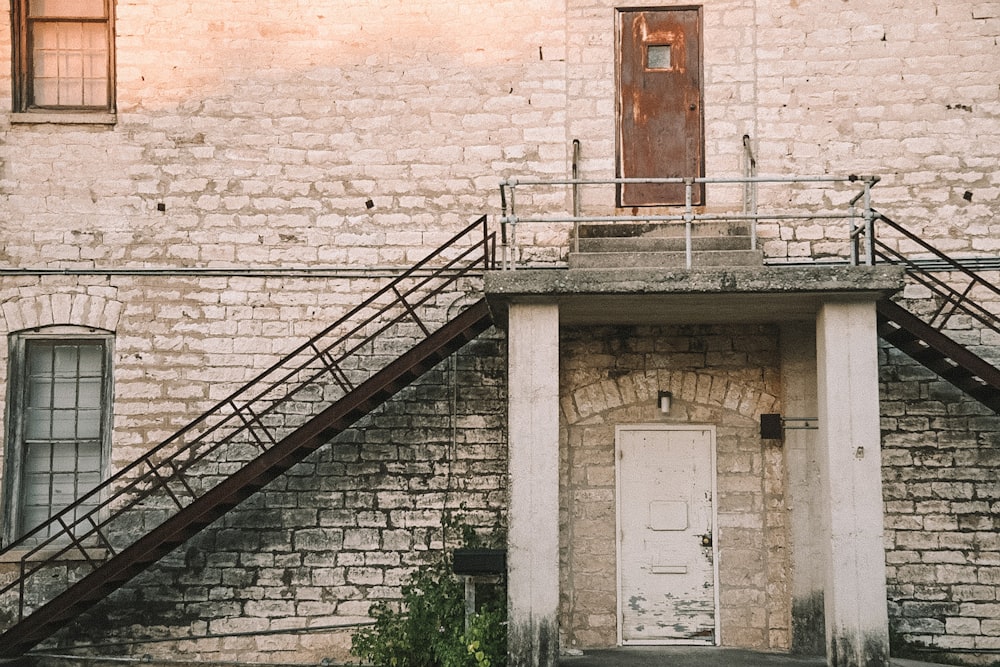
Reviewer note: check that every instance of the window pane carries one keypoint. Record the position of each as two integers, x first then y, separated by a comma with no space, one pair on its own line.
75,8
658,56
40,393
65,363
70,37
37,489
89,395
64,394
95,66
39,359
89,424
95,92
64,458
91,359
63,424
33,516
63,490
37,424
71,92
90,457
47,93
37,459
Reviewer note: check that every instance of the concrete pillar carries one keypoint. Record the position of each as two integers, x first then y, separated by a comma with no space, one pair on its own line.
533,517
806,517
857,625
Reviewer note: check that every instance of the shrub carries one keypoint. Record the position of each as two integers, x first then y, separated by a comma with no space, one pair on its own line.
429,629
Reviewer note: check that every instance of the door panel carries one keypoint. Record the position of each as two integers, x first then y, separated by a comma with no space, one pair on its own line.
666,553
659,104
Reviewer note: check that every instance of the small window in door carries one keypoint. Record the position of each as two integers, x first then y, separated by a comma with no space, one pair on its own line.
658,56
659,104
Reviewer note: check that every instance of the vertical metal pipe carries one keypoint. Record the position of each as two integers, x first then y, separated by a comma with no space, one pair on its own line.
853,234
504,258
869,225
688,218
576,195
513,228
750,189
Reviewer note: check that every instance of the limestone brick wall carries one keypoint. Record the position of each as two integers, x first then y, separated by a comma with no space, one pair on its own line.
822,88
321,543
289,133
722,375
942,500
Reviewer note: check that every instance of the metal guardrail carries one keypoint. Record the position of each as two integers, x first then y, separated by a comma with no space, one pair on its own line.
116,513
858,217
952,299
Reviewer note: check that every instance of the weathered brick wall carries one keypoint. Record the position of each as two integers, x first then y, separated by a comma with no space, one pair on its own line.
722,375
821,88
942,501
336,533
266,127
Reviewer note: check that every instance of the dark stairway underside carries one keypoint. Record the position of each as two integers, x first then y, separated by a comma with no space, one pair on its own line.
950,360
206,509
250,411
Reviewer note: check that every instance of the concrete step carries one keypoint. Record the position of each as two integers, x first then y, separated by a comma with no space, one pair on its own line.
669,260
663,229
663,243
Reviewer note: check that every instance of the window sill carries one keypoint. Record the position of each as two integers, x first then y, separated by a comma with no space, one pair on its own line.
72,555
64,118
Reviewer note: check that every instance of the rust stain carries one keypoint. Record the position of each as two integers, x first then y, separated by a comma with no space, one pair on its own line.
660,133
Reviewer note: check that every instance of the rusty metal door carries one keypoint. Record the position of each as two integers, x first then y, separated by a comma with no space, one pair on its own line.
660,119
666,558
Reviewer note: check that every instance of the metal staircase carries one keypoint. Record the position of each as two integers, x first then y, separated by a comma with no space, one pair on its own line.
921,336
186,482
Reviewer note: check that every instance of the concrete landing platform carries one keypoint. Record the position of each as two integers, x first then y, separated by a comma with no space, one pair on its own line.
698,656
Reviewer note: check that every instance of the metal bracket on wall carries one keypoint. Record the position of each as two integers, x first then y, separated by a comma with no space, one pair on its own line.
773,425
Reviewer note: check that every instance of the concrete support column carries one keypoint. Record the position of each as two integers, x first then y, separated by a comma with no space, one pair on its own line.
857,626
533,517
806,517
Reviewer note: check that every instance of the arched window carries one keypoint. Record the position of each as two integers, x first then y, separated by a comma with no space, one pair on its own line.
59,423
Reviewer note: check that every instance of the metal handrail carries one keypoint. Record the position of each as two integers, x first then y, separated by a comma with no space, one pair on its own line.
251,412
952,299
690,213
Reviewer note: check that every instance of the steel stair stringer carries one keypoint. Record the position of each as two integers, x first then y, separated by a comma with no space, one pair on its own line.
126,564
939,353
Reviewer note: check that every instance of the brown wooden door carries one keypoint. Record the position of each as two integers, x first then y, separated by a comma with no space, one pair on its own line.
660,120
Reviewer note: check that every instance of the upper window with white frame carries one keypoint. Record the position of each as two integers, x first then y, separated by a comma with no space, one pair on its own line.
63,55
59,421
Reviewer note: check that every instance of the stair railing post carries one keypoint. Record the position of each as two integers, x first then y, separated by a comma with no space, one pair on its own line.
504,247
688,219
750,189
576,195
512,219
869,222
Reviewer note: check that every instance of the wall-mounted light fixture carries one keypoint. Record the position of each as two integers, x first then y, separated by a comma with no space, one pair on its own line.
665,397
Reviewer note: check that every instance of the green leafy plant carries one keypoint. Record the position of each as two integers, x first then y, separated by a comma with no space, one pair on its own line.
428,629
486,638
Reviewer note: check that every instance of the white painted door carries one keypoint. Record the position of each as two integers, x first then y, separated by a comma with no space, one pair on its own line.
666,533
